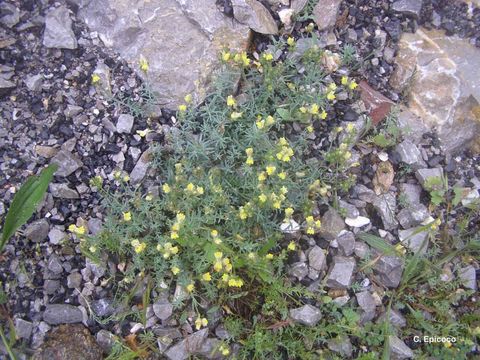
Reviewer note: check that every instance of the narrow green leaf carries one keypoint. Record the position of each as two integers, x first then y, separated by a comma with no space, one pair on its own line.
25,202
379,244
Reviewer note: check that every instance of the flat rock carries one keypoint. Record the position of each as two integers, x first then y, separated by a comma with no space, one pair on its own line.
366,301
389,270
10,14
386,206
307,315
408,7
414,239
163,309
325,13
125,123
346,242
411,192
299,270
398,349
141,168
412,216
56,235
56,314
468,276
67,163
37,231
316,258
73,342
191,345
410,154
180,40
332,224
341,272
58,29
23,328
103,307
377,105
63,191
357,222
341,345
254,15
430,178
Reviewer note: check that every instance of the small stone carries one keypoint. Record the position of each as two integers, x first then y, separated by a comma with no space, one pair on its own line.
290,227
37,231
256,16
72,111
361,250
141,167
94,226
285,16
298,5
386,206
366,301
51,286
316,258
389,270
346,243
412,193
408,7
357,222
10,14
377,104
412,216
341,345
398,349
341,271
55,265
325,13
190,345
45,151
410,154
472,197
332,224
414,239
103,307
23,329
125,123
396,319
67,163
468,277
430,179
74,280
351,36
299,270
56,314
163,309
34,82
62,191
351,211
58,29
105,340
307,315
55,236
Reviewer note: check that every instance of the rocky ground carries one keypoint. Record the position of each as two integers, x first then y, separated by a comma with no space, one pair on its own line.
51,112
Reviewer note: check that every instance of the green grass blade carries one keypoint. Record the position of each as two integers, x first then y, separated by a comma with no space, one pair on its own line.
379,244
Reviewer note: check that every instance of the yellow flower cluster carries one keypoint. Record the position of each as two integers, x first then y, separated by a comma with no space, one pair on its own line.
95,79
343,149
312,225
352,85
138,246
244,212
267,56
167,250
127,216
144,65
286,152
224,350
200,322
242,58
249,152
288,214
194,190
261,123
290,41
221,263
77,230
176,226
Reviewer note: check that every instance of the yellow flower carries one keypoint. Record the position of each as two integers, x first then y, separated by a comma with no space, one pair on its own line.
180,217
175,270
188,98
224,350
303,109
206,277
291,246
79,230
332,86
182,108
323,115
270,120
231,101
282,175
314,109
288,212
143,133
200,190
95,79
174,235
249,151
217,266
166,188
282,141
331,96
190,187
350,127
138,246
291,41
344,80
126,178
310,129
190,287
260,124
271,169
251,255
235,115
200,322
218,255
127,216
144,64
267,56
249,161
225,56
92,249
269,256
225,277
353,85
262,176
262,198
244,58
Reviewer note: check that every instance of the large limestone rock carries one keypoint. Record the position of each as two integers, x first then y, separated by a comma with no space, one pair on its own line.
441,74
180,39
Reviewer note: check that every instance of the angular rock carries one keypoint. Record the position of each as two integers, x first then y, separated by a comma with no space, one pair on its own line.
55,236
389,270
63,191
341,272
72,342
366,301
125,123
37,231
332,224
383,178
56,314
377,104
412,193
106,340
325,13
395,318
412,216
10,14
414,239
67,163
341,345
316,258
254,15
23,328
357,222
299,270
307,315
141,167
191,345
298,5
351,211
50,287
45,151
346,242
94,226
103,307
34,82
468,277
179,39
55,265
386,206
410,154
408,7
398,349
163,309
430,179
74,280
58,29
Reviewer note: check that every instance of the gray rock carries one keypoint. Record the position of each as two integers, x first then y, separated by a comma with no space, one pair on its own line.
361,249
56,314
389,270
468,277
163,309
55,236
412,193
307,315
325,13
34,82
298,5
395,318
332,224
410,154
412,216
341,345
67,163
94,226
254,15
6,84
23,328
357,222
408,7
426,176
192,344
125,123
364,193
180,39
341,271
398,349
366,301
72,111
299,270
351,36
316,258
346,243
141,168
51,286
62,191
37,231
386,205
10,14
351,210
55,265
414,239
103,307
105,340
58,29
74,280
